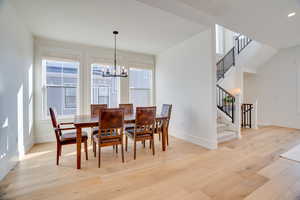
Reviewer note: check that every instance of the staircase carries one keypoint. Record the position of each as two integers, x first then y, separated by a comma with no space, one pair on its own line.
228,124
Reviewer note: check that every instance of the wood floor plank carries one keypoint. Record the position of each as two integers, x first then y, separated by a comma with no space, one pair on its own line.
249,168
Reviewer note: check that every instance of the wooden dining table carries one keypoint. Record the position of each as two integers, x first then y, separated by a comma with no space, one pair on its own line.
86,121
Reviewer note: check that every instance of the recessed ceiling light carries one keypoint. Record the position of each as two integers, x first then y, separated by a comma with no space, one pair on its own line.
292,14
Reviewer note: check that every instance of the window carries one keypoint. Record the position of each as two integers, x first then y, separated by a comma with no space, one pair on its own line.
140,87
219,39
61,86
105,90
70,97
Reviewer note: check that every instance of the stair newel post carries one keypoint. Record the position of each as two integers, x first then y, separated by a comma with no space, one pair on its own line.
237,114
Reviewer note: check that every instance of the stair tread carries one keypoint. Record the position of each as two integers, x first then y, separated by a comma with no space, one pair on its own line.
226,133
226,136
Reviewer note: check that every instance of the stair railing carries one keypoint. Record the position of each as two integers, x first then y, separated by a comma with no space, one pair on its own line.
225,102
241,42
228,60
225,64
246,110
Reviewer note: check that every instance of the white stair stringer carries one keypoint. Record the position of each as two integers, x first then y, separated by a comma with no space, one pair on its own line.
226,130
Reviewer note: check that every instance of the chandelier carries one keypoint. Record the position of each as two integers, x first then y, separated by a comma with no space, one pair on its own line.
114,73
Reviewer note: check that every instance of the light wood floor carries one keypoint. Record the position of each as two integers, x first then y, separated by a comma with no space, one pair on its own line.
249,168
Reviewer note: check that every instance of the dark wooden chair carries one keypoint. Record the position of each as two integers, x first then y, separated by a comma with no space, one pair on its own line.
144,127
65,138
165,111
110,131
128,109
96,108
95,111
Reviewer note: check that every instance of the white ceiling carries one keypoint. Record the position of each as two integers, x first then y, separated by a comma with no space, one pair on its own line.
264,20
142,28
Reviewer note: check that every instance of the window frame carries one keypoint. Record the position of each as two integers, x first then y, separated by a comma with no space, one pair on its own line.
151,89
45,108
91,85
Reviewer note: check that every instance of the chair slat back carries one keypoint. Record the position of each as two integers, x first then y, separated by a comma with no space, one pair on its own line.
128,108
55,124
96,108
145,118
111,120
166,110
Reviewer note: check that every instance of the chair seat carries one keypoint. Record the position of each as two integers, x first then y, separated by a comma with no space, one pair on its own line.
129,126
70,137
139,133
106,140
126,127
95,131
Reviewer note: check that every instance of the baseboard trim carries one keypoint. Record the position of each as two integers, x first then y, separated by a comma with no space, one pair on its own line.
44,139
196,140
8,164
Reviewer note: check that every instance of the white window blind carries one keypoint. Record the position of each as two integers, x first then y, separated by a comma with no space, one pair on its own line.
104,90
61,87
140,87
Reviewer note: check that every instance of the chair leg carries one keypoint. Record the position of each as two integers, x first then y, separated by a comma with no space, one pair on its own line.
150,144
144,144
57,154
122,151
94,148
126,143
117,148
60,149
86,150
159,136
134,150
168,137
92,136
99,155
153,148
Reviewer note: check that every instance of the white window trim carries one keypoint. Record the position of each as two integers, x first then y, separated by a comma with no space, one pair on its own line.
151,100
44,86
91,82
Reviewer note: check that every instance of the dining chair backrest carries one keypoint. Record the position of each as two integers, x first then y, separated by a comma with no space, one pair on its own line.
111,120
96,108
145,116
128,108
166,110
55,124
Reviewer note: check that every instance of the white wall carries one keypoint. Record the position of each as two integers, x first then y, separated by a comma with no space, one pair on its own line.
16,98
185,77
86,55
248,61
276,86
254,55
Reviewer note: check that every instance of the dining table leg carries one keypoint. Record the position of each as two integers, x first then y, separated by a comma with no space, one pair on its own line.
164,135
78,141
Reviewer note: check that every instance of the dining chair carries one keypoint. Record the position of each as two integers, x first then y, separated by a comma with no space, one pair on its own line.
128,109
165,111
110,131
95,111
65,138
96,108
144,127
